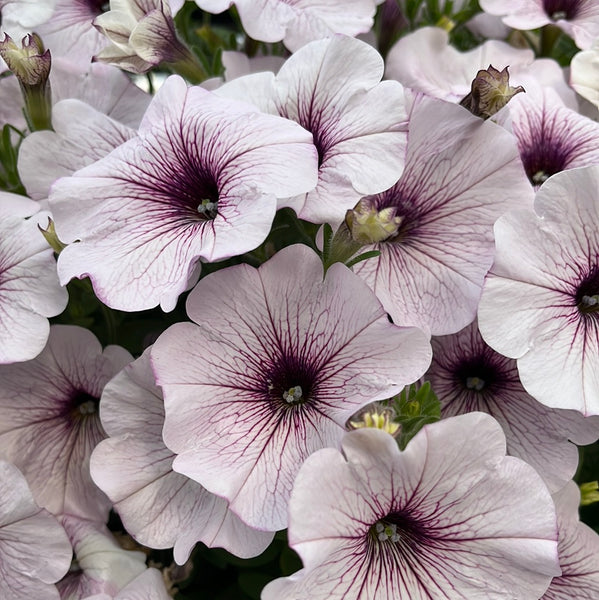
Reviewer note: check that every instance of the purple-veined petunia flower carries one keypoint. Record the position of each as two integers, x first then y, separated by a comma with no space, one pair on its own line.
298,22
578,547
201,180
101,566
80,136
551,137
30,292
467,375
461,174
49,422
158,507
275,364
578,18
333,89
540,303
34,549
449,517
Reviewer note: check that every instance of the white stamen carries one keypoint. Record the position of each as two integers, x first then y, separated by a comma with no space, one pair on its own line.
208,208
590,300
540,177
387,532
475,383
559,14
293,395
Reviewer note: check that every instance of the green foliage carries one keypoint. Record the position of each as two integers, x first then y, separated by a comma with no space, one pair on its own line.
415,407
10,140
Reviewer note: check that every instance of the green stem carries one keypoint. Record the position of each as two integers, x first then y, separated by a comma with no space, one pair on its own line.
549,35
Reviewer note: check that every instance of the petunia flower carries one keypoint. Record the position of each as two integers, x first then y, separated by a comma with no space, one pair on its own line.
158,507
81,135
30,292
424,60
100,565
333,89
578,547
298,22
584,73
34,549
551,136
449,517
201,180
578,18
467,375
540,301
49,420
461,174
276,361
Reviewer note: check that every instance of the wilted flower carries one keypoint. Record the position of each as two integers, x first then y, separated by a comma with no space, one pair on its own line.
490,92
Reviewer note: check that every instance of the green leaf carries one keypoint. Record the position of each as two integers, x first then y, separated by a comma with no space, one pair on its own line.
415,407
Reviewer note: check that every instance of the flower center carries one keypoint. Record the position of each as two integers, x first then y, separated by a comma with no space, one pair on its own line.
83,404
561,9
386,532
477,374
587,294
293,395
289,381
208,209
475,383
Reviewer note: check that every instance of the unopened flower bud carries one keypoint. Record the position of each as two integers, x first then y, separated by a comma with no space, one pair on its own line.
490,92
50,234
30,64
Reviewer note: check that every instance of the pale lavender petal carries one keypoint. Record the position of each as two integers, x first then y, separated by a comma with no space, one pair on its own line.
578,547
265,332
147,586
467,375
81,136
158,507
193,148
425,61
551,137
430,274
538,302
34,549
102,565
470,522
49,422
105,88
29,288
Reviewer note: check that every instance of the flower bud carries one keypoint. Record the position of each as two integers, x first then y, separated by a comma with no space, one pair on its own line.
490,92
31,66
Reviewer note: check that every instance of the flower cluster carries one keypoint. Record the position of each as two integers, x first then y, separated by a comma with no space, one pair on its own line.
299,300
